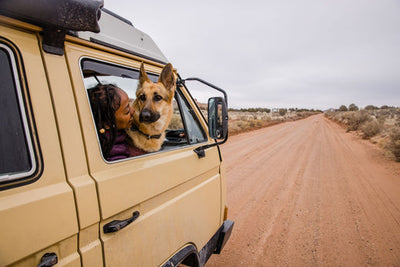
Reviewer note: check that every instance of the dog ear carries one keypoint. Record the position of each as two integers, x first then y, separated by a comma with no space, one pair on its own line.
167,77
142,75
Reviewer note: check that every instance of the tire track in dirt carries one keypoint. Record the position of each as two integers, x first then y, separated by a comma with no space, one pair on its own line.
307,193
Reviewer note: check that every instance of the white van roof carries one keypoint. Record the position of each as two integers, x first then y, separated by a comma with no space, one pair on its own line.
86,19
120,34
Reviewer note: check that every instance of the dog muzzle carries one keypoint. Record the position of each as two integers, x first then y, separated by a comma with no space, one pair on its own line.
147,116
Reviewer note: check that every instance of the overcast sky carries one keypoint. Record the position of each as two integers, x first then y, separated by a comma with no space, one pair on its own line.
280,53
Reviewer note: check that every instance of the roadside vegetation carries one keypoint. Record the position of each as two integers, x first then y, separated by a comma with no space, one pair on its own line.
244,120
381,125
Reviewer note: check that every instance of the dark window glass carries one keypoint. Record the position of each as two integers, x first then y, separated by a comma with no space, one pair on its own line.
16,160
194,131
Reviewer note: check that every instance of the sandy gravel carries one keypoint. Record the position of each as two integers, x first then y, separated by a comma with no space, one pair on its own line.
306,193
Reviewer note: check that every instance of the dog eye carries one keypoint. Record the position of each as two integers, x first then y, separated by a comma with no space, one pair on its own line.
157,98
142,98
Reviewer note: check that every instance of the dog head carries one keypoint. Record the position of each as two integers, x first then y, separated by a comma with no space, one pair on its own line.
153,103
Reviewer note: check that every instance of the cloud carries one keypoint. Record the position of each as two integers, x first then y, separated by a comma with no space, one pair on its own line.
315,54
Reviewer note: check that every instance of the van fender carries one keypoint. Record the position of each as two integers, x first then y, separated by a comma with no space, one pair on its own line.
187,254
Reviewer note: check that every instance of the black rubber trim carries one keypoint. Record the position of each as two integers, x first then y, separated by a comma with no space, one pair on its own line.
182,255
31,121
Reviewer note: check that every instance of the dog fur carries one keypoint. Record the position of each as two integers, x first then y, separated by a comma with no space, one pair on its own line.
152,109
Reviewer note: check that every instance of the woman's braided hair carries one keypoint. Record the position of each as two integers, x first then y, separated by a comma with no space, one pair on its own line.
105,100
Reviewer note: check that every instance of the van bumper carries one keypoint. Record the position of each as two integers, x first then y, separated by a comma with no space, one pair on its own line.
217,242
224,235
189,255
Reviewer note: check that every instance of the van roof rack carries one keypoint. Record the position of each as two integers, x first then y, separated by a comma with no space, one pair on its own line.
85,19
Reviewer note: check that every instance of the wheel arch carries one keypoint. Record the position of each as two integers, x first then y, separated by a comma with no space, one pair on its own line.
188,255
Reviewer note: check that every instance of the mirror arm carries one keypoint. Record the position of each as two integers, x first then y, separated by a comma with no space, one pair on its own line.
200,150
209,84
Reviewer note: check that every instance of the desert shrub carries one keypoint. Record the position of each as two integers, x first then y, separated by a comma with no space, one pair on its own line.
370,128
343,108
371,107
330,114
282,111
176,122
356,119
233,127
381,118
255,123
394,144
242,124
385,112
353,107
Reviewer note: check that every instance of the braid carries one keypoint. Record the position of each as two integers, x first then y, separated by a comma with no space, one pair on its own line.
104,101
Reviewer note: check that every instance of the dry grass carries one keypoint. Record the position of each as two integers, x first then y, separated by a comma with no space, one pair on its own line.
371,128
176,121
394,143
381,126
240,121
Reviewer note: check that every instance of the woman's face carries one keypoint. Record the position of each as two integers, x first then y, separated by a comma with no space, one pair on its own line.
123,116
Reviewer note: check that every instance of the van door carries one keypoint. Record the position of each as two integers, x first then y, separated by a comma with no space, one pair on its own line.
37,207
168,198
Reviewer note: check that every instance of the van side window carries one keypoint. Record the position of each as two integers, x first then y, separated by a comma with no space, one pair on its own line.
184,128
17,158
195,132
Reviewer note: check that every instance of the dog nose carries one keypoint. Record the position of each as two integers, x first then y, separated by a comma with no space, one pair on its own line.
148,116
145,115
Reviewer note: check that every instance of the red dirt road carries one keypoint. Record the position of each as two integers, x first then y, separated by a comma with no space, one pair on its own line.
306,193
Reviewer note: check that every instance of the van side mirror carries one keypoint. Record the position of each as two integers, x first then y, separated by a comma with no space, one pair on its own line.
217,118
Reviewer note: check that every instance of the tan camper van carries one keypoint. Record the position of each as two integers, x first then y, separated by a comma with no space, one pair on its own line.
61,201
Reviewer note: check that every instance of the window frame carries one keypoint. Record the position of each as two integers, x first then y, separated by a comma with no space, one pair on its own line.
20,178
177,91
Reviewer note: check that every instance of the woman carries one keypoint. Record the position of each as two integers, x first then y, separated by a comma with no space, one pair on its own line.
112,114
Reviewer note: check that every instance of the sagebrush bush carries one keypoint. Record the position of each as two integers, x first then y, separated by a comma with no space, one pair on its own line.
176,122
381,118
371,128
383,122
394,144
356,119
247,121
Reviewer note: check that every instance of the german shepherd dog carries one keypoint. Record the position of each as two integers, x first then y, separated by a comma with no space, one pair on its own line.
152,109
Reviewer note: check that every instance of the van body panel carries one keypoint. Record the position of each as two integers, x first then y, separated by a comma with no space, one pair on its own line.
223,191
65,250
149,174
34,220
42,213
90,246
71,139
181,214
153,181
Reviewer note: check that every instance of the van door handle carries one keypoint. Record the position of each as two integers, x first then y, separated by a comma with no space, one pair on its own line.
48,259
117,225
